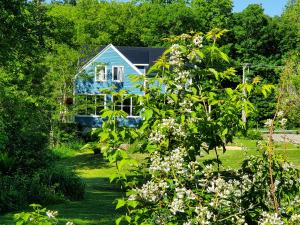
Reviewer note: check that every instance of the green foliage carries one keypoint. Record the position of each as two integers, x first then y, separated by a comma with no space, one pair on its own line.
254,134
46,186
195,114
290,89
38,216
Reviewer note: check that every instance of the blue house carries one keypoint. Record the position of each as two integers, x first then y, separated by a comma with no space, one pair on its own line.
110,69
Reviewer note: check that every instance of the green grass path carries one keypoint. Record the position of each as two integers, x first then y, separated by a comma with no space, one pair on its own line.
97,207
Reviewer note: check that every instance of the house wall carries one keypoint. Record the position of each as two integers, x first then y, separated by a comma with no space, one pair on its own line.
86,84
110,58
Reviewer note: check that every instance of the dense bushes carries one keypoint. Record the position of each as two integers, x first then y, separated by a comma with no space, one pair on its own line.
45,186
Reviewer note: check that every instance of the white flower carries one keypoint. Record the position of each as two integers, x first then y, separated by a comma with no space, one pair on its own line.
69,223
283,121
270,218
269,123
177,205
280,114
198,41
51,214
185,37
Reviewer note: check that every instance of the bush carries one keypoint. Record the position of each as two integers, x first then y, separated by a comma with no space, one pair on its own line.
46,186
254,135
39,216
65,182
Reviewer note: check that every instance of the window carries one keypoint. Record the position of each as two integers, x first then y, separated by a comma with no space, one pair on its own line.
90,104
118,73
100,73
100,103
142,68
128,105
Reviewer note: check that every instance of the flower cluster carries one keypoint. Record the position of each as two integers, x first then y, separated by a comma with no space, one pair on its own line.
151,191
198,40
176,56
168,127
173,163
270,218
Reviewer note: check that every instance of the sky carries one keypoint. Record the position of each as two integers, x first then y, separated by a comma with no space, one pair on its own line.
272,7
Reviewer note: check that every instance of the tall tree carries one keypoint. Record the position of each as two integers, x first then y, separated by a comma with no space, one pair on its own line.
210,14
290,27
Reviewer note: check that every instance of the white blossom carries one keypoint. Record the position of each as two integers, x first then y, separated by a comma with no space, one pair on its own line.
280,114
270,218
51,214
198,40
283,122
269,123
70,223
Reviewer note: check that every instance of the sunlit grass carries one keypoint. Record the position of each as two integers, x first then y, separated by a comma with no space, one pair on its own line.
98,206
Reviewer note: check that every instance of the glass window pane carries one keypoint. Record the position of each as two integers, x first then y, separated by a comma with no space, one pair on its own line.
90,104
120,73
117,101
100,73
135,111
100,103
115,73
80,104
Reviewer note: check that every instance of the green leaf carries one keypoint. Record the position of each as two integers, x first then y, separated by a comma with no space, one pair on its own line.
229,91
214,72
224,56
121,203
225,131
119,220
133,204
148,114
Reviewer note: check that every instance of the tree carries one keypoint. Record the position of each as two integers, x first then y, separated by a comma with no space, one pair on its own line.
290,27
212,13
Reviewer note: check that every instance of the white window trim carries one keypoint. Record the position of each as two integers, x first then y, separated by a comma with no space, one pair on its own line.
105,100
105,73
131,108
95,110
112,73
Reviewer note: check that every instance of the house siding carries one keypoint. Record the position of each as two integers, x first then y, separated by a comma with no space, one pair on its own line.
110,58
88,85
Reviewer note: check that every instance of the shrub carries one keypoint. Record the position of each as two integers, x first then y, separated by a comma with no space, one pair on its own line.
254,135
64,181
39,216
46,186
195,113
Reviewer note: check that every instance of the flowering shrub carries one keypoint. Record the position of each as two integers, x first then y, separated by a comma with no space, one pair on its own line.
40,216
194,105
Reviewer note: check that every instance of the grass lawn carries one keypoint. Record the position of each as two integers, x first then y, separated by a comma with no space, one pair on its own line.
234,158
98,207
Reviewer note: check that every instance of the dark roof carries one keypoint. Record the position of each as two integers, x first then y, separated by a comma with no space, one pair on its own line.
136,55
141,55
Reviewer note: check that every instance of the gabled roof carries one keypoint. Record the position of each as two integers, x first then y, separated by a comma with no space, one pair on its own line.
141,55
135,55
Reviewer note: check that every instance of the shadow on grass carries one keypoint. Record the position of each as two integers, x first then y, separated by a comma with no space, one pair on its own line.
97,207
85,161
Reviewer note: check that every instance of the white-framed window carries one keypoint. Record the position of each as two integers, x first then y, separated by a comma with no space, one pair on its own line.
90,104
127,104
101,73
118,73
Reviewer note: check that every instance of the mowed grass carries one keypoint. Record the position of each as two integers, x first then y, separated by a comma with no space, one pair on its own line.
98,205
233,158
